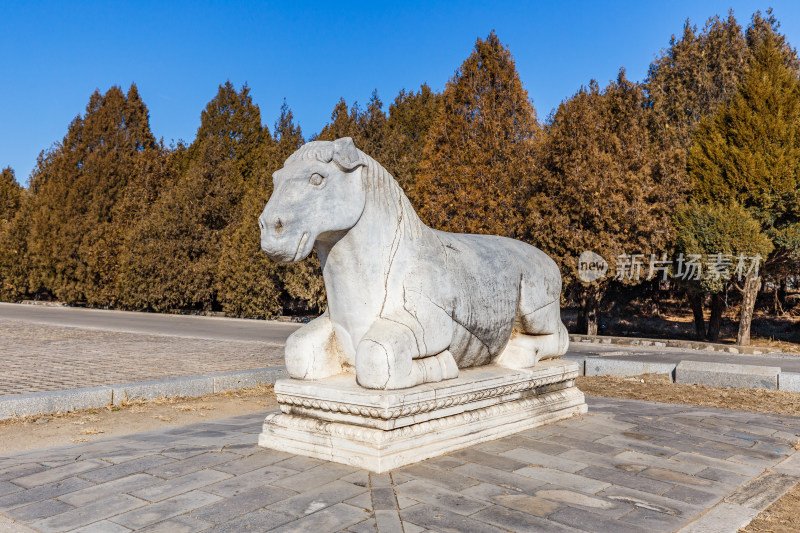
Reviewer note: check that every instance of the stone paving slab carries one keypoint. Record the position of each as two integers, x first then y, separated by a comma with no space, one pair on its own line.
45,357
612,469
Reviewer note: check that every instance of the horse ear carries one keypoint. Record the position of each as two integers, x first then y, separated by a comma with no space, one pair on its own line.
345,154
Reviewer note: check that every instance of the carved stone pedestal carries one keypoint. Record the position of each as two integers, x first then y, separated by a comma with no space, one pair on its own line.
337,420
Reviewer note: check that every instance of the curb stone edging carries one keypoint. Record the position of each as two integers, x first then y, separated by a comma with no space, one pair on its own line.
41,403
672,343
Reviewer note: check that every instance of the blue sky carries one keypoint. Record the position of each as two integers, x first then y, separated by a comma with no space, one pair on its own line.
53,55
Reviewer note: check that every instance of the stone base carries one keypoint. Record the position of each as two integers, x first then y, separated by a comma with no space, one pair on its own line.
337,420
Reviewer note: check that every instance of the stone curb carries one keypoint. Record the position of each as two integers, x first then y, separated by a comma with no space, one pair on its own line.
604,366
671,343
726,375
39,403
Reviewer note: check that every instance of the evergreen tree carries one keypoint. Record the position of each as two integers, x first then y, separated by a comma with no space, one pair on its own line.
748,152
480,152
410,119
597,190
690,79
76,184
13,259
175,249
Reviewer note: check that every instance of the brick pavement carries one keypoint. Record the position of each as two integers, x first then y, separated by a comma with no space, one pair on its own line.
627,466
41,357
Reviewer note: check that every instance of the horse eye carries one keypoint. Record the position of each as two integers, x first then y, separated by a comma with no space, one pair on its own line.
316,179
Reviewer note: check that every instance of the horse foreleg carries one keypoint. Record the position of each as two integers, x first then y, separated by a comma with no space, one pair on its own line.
313,352
541,335
389,357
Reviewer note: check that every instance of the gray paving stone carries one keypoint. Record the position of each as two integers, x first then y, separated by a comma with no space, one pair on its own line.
607,461
366,526
300,463
336,517
485,491
380,481
739,468
512,520
670,476
444,521
103,526
654,520
621,442
694,496
318,498
498,462
388,521
651,502
243,503
179,485
440,497
535,458
59,473
8,488
761,491
262,520
498,477
38,510
315,477
727,375
722,517
97,492
364,501
625,479
359,477
252,462
87,514
110,473
666,463
383,499
722,476
445,462
163,510
179,524
20,470
564,479
251,480
192,464
452,480
790,465
588,521
526,503
42,492
588,502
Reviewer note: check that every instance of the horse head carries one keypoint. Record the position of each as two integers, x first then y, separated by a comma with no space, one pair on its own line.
317,194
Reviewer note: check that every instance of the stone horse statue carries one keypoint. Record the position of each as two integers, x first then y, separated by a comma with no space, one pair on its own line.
407,304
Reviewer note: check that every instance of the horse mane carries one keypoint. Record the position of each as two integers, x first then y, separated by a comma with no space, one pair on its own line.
381,187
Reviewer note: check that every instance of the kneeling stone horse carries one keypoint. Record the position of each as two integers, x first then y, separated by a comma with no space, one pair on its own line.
407,304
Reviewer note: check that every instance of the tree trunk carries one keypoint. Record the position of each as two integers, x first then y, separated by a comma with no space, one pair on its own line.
588,314
752,284
696,300
715,320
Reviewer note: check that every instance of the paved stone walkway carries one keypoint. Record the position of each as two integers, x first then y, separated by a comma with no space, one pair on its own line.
627,466
41,357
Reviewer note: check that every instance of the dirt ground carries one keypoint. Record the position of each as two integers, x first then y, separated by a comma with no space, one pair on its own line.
32,433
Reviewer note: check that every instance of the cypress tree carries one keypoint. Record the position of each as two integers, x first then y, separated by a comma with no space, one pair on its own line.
748,152
13,256
597,191
480,151
76,184
176,248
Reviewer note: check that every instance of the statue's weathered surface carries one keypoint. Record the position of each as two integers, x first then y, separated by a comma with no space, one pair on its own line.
406,304
453,339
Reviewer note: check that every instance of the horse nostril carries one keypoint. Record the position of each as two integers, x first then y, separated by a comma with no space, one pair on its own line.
278,225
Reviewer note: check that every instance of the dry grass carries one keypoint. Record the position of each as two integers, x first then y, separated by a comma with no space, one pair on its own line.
659,388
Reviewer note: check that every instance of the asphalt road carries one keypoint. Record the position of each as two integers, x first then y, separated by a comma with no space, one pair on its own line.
237,329
196,327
